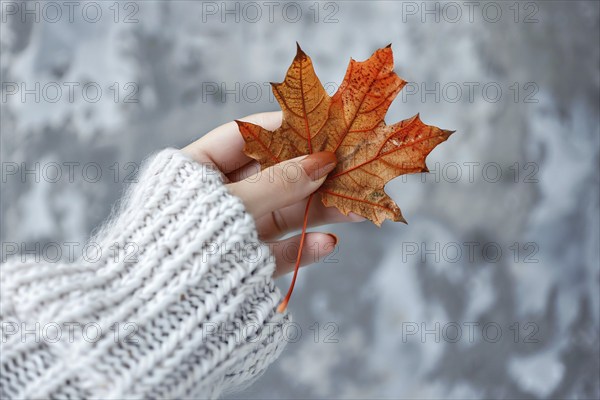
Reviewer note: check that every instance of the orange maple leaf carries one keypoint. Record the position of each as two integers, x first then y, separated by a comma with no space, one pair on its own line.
350,124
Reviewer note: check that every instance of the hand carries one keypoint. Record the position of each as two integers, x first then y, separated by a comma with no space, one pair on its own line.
277,196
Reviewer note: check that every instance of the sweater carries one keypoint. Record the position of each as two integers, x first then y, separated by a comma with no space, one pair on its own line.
174,298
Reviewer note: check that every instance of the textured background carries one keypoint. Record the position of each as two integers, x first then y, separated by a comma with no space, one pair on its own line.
384,282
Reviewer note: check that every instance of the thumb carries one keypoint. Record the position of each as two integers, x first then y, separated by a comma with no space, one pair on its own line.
283,184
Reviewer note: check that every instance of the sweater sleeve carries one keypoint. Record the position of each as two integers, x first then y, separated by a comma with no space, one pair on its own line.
174,298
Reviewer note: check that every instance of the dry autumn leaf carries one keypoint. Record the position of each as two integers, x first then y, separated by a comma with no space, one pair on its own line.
350,124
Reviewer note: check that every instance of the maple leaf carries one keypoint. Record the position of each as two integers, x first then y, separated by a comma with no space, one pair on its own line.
350,124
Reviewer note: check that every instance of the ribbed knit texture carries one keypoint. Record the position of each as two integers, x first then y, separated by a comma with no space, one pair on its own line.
183,276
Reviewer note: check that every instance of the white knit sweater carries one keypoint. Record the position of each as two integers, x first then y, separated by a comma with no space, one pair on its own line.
179,303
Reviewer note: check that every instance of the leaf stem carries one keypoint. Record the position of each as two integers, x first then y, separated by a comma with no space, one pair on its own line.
283,305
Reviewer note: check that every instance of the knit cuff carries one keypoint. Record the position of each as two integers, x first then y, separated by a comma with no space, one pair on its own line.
179,296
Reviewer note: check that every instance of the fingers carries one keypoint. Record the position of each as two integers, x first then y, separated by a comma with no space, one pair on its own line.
283,184
223,145
316,247
290,218
252,168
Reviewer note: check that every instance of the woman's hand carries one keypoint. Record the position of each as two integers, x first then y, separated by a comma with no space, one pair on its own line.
277,196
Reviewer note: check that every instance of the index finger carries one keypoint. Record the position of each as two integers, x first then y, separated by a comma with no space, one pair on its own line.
224,145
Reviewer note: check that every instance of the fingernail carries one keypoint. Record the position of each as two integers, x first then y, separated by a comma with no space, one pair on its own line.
317,165
335,238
